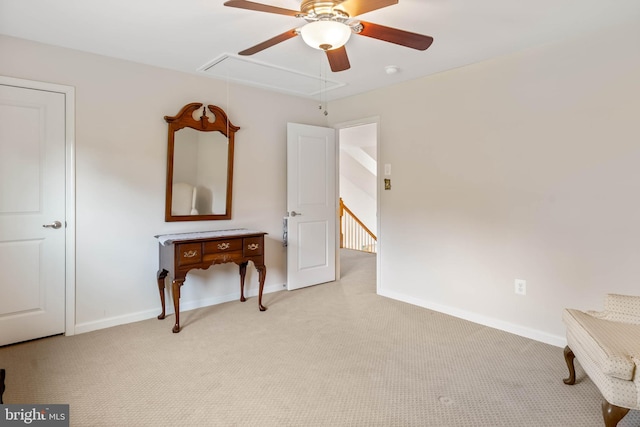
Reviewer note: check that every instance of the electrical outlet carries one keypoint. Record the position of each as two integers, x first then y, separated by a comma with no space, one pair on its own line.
521,287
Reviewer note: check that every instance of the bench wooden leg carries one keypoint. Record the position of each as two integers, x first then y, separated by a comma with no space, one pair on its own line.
2,375
612,414
568,357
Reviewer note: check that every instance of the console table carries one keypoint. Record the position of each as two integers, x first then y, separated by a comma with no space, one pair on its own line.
182,252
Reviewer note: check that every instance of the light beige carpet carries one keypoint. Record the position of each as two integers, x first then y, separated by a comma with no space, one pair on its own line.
335,354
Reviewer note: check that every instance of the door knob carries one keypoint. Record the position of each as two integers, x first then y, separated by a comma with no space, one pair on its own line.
294,213
54,225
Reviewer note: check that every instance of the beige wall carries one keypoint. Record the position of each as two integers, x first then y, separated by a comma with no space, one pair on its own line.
527,166
121,141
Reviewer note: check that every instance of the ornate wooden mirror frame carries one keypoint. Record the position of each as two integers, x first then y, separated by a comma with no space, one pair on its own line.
205,191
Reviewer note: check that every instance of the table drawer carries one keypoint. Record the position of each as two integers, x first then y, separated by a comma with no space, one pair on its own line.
252,246
189,253
220,246
221,257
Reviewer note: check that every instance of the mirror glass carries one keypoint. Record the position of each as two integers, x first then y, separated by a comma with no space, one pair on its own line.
199,173
199,164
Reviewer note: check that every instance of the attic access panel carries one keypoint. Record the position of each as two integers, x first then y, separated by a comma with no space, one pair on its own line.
253,73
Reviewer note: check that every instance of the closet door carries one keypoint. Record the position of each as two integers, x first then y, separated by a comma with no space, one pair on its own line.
32,213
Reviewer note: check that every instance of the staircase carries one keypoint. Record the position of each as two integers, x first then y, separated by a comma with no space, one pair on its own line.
353,233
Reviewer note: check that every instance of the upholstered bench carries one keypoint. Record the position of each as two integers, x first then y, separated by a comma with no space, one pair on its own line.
607,345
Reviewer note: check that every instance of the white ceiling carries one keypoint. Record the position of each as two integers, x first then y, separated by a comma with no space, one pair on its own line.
187,35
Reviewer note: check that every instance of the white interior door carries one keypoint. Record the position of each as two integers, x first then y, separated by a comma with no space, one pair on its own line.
311,205
32,213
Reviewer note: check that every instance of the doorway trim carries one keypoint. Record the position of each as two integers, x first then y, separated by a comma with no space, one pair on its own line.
70,189
353,123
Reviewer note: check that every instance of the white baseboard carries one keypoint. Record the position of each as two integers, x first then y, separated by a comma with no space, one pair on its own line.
109,322
534,334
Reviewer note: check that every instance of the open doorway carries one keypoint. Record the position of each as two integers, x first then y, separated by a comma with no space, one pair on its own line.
358,186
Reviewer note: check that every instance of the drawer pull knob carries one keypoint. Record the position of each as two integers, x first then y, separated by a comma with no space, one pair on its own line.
253,246
223,246
190,254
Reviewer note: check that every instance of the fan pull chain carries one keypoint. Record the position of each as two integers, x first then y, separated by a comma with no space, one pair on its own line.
323,86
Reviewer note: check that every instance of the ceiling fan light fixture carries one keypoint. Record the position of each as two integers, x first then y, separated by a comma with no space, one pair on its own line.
325,35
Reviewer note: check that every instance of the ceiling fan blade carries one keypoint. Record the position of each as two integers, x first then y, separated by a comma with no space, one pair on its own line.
243,4
268,43
393,35
358,7
338,59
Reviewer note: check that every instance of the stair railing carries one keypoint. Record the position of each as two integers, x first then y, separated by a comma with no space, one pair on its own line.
353,233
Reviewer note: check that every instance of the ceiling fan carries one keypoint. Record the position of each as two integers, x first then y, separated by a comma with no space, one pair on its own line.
330,25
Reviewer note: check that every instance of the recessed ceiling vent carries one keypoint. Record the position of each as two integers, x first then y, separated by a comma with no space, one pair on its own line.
253,73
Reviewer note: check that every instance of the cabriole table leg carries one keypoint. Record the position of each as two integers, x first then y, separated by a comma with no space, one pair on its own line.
262,273
176,285
161,275
243,273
